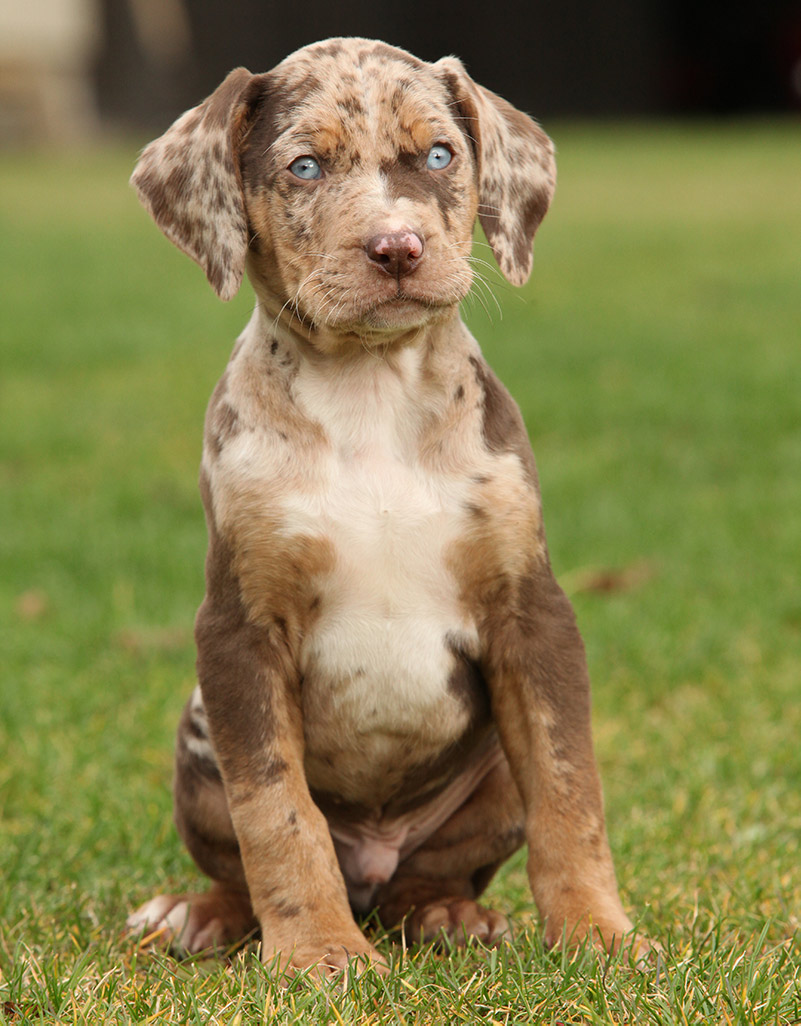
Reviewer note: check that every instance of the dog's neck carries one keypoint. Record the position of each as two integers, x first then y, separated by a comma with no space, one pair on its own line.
371,395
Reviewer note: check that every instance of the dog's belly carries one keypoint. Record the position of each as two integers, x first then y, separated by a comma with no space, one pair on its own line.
383,705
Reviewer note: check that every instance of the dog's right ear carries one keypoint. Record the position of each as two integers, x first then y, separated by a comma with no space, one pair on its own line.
189,181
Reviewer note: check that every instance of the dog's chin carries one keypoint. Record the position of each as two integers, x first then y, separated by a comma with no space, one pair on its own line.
395,316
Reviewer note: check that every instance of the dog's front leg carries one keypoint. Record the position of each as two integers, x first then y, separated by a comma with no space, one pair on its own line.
250,691
536,669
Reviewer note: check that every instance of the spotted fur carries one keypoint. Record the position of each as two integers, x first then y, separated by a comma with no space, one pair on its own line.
393,694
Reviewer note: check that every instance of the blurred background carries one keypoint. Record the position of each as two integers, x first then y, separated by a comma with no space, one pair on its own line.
70,68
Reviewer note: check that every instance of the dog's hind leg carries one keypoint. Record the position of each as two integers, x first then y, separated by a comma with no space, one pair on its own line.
222,915
434,890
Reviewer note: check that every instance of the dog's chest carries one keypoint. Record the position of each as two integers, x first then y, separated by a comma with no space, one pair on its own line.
378,662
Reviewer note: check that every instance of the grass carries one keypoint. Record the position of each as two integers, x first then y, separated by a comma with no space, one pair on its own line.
656,358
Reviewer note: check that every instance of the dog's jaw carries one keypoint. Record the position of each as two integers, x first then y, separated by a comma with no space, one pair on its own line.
393,324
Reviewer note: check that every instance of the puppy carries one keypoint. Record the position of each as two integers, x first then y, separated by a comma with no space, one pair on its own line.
393,694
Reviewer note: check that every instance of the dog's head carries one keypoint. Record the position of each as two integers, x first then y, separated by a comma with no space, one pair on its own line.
348,179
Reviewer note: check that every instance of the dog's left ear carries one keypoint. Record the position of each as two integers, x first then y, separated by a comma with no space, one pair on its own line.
189,180
516,169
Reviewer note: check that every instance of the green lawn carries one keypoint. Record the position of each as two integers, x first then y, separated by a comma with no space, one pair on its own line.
656,355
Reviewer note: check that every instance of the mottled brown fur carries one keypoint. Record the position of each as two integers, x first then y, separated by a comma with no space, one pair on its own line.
393,693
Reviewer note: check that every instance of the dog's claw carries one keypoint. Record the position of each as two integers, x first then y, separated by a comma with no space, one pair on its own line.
459,919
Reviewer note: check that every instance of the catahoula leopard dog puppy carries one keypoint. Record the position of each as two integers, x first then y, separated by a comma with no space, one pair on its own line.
393,694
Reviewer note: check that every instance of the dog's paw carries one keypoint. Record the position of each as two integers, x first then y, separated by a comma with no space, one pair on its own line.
328,962
189,923
638,950
459,919
610,936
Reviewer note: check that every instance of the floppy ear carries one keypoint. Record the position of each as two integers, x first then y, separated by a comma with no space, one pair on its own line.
189,181
516,169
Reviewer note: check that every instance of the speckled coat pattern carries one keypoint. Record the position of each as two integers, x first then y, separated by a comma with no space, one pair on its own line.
392,693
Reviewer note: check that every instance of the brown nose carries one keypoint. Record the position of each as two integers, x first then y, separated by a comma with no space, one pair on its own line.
397,253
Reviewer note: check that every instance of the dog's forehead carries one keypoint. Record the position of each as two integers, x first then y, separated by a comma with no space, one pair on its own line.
342,61
344,89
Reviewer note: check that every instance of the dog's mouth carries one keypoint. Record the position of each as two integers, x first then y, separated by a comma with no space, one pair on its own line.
403,299
345,300
409,304
400,311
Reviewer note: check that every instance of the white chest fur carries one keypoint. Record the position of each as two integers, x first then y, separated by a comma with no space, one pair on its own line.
377,663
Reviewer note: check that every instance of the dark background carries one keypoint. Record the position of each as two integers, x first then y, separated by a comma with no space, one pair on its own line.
580,58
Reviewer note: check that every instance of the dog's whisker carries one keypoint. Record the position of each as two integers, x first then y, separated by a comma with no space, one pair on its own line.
324,301
492,279
483,287
294,301
292,304
332,316
481,245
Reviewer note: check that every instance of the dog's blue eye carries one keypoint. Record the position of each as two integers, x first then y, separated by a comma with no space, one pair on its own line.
439,156
306,168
